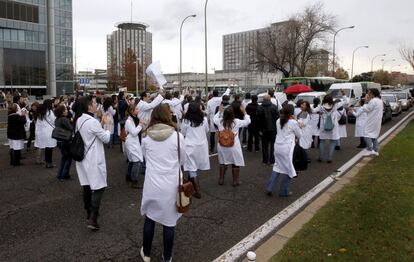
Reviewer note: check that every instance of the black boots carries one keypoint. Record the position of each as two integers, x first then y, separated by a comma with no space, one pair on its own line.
223,169
361,143
196,184
236,176
15,156
93,221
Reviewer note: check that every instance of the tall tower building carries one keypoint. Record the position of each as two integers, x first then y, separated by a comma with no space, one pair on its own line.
132,36
36,46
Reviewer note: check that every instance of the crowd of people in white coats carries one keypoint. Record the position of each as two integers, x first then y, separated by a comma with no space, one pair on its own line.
160,134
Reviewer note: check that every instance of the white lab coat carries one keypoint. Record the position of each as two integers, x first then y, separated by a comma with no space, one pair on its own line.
132,145
196,146
231,155
342,128
145,109
212,104
109,113
374,110
161,179
284,147
333,134
306,140
314,120
43,132
361,120
92,169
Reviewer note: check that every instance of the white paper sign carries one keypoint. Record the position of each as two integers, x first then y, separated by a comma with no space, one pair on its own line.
154,71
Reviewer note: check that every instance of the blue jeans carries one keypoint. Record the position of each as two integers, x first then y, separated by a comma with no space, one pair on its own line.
372,143
65,162
284,186
332,144
168,238
192,174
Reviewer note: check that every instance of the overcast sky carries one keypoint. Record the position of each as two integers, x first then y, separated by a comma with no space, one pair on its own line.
381,24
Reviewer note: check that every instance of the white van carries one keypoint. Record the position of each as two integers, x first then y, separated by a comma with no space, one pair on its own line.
369,85
352,90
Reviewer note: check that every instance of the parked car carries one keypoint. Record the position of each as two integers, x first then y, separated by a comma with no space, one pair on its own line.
394,102
309,96
402,96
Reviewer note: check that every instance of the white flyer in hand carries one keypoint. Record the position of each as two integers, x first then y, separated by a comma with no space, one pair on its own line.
154,71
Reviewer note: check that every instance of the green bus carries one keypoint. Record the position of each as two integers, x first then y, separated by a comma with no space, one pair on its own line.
320,84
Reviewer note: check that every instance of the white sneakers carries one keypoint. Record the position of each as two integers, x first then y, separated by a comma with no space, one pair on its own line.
370,152
144,258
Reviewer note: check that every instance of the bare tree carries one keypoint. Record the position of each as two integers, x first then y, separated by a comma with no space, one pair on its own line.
407,53
290,46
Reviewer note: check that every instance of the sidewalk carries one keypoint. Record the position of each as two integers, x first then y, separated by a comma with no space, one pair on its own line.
276,243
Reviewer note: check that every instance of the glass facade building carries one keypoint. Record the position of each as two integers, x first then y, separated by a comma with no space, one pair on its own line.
24,46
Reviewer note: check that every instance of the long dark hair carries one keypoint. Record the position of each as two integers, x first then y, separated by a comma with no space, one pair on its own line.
194,114
287,111
161,115
107,103
316,102
228,118
44,108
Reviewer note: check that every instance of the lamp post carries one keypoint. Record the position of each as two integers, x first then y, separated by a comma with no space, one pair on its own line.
136,76
181,28
372,61
333,51
386,61
205,44
353,55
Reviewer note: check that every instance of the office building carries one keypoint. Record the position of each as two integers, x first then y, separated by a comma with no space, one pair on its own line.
132,36
36,46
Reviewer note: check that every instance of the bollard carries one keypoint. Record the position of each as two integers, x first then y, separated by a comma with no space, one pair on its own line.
251,256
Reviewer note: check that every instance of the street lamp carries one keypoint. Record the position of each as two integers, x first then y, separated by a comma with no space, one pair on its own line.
333,59
386,61
136,76
205,44
181,28
372,61
353,55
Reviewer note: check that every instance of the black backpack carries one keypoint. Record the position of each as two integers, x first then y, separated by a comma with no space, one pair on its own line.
77,146
300,160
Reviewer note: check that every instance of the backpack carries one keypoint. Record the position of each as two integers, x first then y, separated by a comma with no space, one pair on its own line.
226,138
328,125
342,120
77,146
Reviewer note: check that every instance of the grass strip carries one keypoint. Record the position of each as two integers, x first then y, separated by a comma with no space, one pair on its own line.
371,219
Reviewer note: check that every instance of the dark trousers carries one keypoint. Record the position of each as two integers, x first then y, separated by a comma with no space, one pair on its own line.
48,154
15,156
65,161
253,135
168,238
244,134
268,141
92,199
212,141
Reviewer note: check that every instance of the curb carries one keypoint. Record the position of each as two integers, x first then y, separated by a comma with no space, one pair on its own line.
306,202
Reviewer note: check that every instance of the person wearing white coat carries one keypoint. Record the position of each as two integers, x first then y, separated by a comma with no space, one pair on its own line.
288,129
315,122
341,128
304,117
44,127
212,104
160,149
92,169
360,122
108,112
133,127
145,105
195,128
224,119
328,111
374,108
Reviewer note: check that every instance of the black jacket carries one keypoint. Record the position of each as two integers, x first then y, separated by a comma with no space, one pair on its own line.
252,111
15,127
266,116
64,123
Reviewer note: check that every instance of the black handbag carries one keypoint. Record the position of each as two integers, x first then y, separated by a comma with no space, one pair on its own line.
61,134
300,159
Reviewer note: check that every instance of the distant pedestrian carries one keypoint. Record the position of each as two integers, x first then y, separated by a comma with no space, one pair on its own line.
62,121
267,117
44,127
253,128
315,122
15,134
108,114
158,205
360,122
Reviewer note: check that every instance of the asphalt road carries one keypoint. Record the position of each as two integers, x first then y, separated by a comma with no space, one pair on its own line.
42,219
